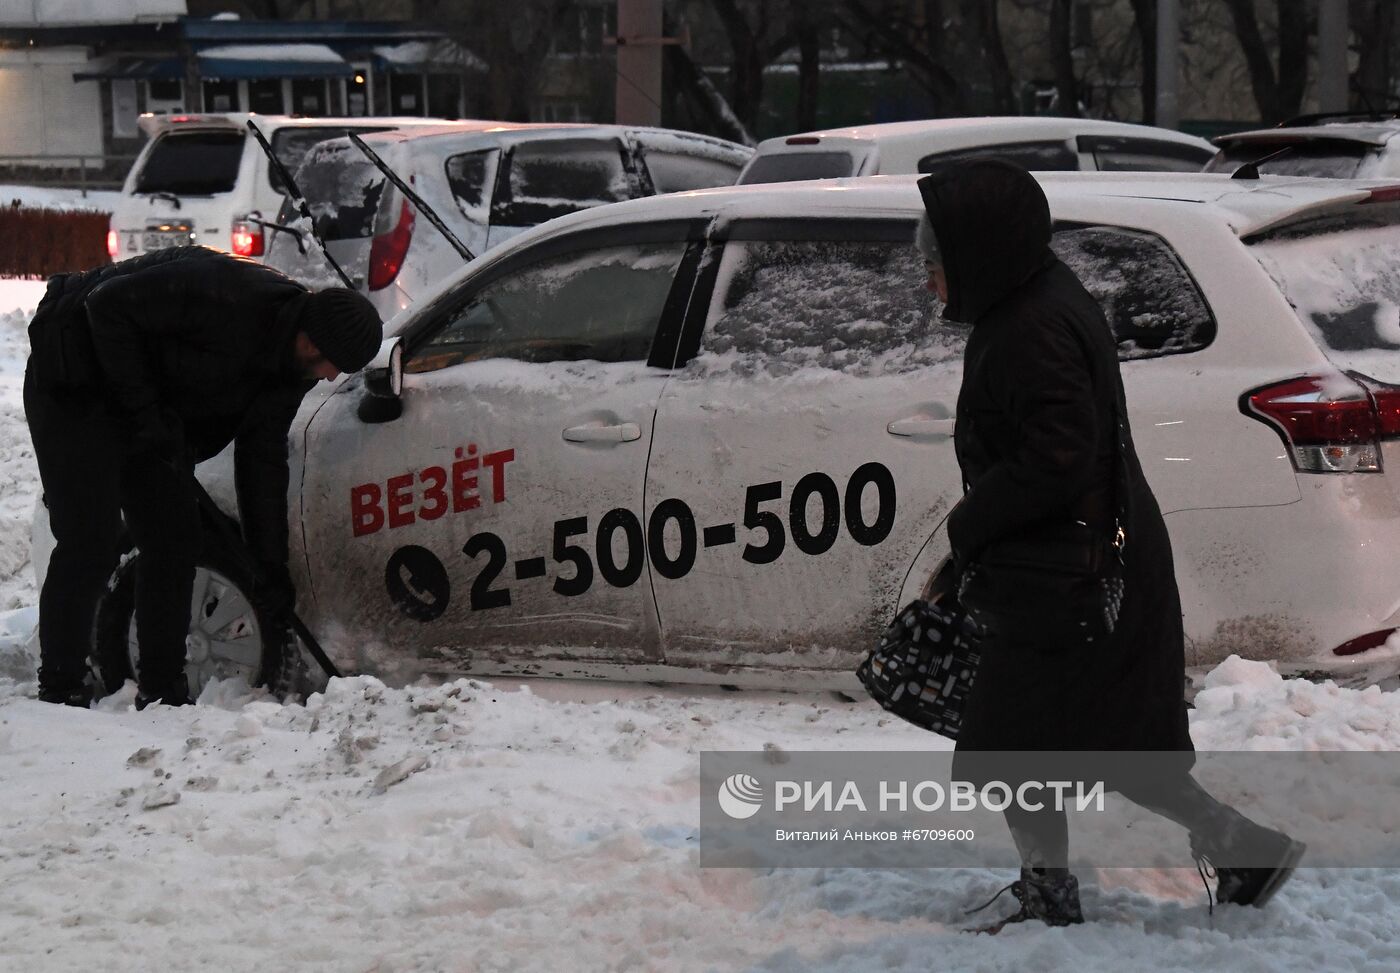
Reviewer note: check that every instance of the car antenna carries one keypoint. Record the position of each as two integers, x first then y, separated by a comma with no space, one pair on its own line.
298,200
1250,170
413,198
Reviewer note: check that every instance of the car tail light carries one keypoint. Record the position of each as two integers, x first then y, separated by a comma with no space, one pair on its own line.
1364,643
113,246
387,252
1330,423
247,239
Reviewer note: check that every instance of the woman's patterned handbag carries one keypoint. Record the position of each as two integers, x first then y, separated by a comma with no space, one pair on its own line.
924,666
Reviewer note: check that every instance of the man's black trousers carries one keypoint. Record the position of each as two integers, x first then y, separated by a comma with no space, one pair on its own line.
91,480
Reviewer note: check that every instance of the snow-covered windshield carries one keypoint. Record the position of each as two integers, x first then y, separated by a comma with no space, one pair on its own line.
291,143
343,188
1342,276
859,307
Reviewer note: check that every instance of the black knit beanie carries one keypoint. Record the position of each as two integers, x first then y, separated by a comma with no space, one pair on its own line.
343,325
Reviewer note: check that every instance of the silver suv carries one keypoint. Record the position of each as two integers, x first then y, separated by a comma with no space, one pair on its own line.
488,181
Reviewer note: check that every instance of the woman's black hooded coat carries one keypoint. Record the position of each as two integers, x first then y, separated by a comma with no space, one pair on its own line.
1034,438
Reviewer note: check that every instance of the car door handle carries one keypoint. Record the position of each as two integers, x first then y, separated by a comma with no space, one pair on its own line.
920,426
623,432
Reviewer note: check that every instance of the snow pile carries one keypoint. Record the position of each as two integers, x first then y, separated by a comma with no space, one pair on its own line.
1244,705
472,826
19,476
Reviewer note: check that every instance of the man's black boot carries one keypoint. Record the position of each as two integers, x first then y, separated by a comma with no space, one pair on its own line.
1048,894
173,694
80,695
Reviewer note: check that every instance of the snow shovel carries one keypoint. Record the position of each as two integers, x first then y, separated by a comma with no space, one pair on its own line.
236,546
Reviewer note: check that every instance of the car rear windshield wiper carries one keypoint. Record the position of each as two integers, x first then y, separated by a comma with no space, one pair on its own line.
1250,170
166,196
281,228
413,198
298,200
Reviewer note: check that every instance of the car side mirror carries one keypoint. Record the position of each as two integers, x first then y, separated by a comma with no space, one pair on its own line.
383,398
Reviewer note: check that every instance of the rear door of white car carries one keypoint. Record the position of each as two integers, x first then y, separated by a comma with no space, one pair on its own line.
499,516
804,451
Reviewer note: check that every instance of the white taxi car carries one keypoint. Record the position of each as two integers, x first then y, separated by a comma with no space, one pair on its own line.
708,436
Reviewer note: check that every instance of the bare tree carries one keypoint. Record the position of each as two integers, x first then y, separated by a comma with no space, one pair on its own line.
513,39
945,54
982,23
759,32
1373,28
1062,56
1145,19
1279,94
808,21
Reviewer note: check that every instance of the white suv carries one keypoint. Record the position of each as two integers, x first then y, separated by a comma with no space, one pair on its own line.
202,179
1035,142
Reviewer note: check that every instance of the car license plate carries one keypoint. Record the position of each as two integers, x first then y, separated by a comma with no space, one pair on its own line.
164,239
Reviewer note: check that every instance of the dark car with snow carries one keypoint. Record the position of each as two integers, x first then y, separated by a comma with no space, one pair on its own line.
487,181
708,436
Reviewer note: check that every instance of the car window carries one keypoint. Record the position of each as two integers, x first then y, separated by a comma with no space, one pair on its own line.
192,164
859,307
1328,158
291,143
547,178
1152,303
601,305
796,166
1342,277
1118,154
1056,156
676,172
469,176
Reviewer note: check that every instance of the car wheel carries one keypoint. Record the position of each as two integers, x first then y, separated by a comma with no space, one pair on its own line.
229,637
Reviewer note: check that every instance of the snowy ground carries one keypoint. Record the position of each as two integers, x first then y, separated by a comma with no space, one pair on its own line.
548,826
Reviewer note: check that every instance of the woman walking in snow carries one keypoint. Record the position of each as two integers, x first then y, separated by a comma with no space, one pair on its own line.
1037,441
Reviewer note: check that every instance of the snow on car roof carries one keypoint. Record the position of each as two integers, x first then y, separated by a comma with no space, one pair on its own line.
527,129
980,128
1370,133
1246,206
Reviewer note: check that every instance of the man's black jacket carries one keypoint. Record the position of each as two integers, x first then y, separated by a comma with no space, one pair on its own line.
191,349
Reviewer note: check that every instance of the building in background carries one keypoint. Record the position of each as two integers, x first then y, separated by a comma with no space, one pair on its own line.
74,77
